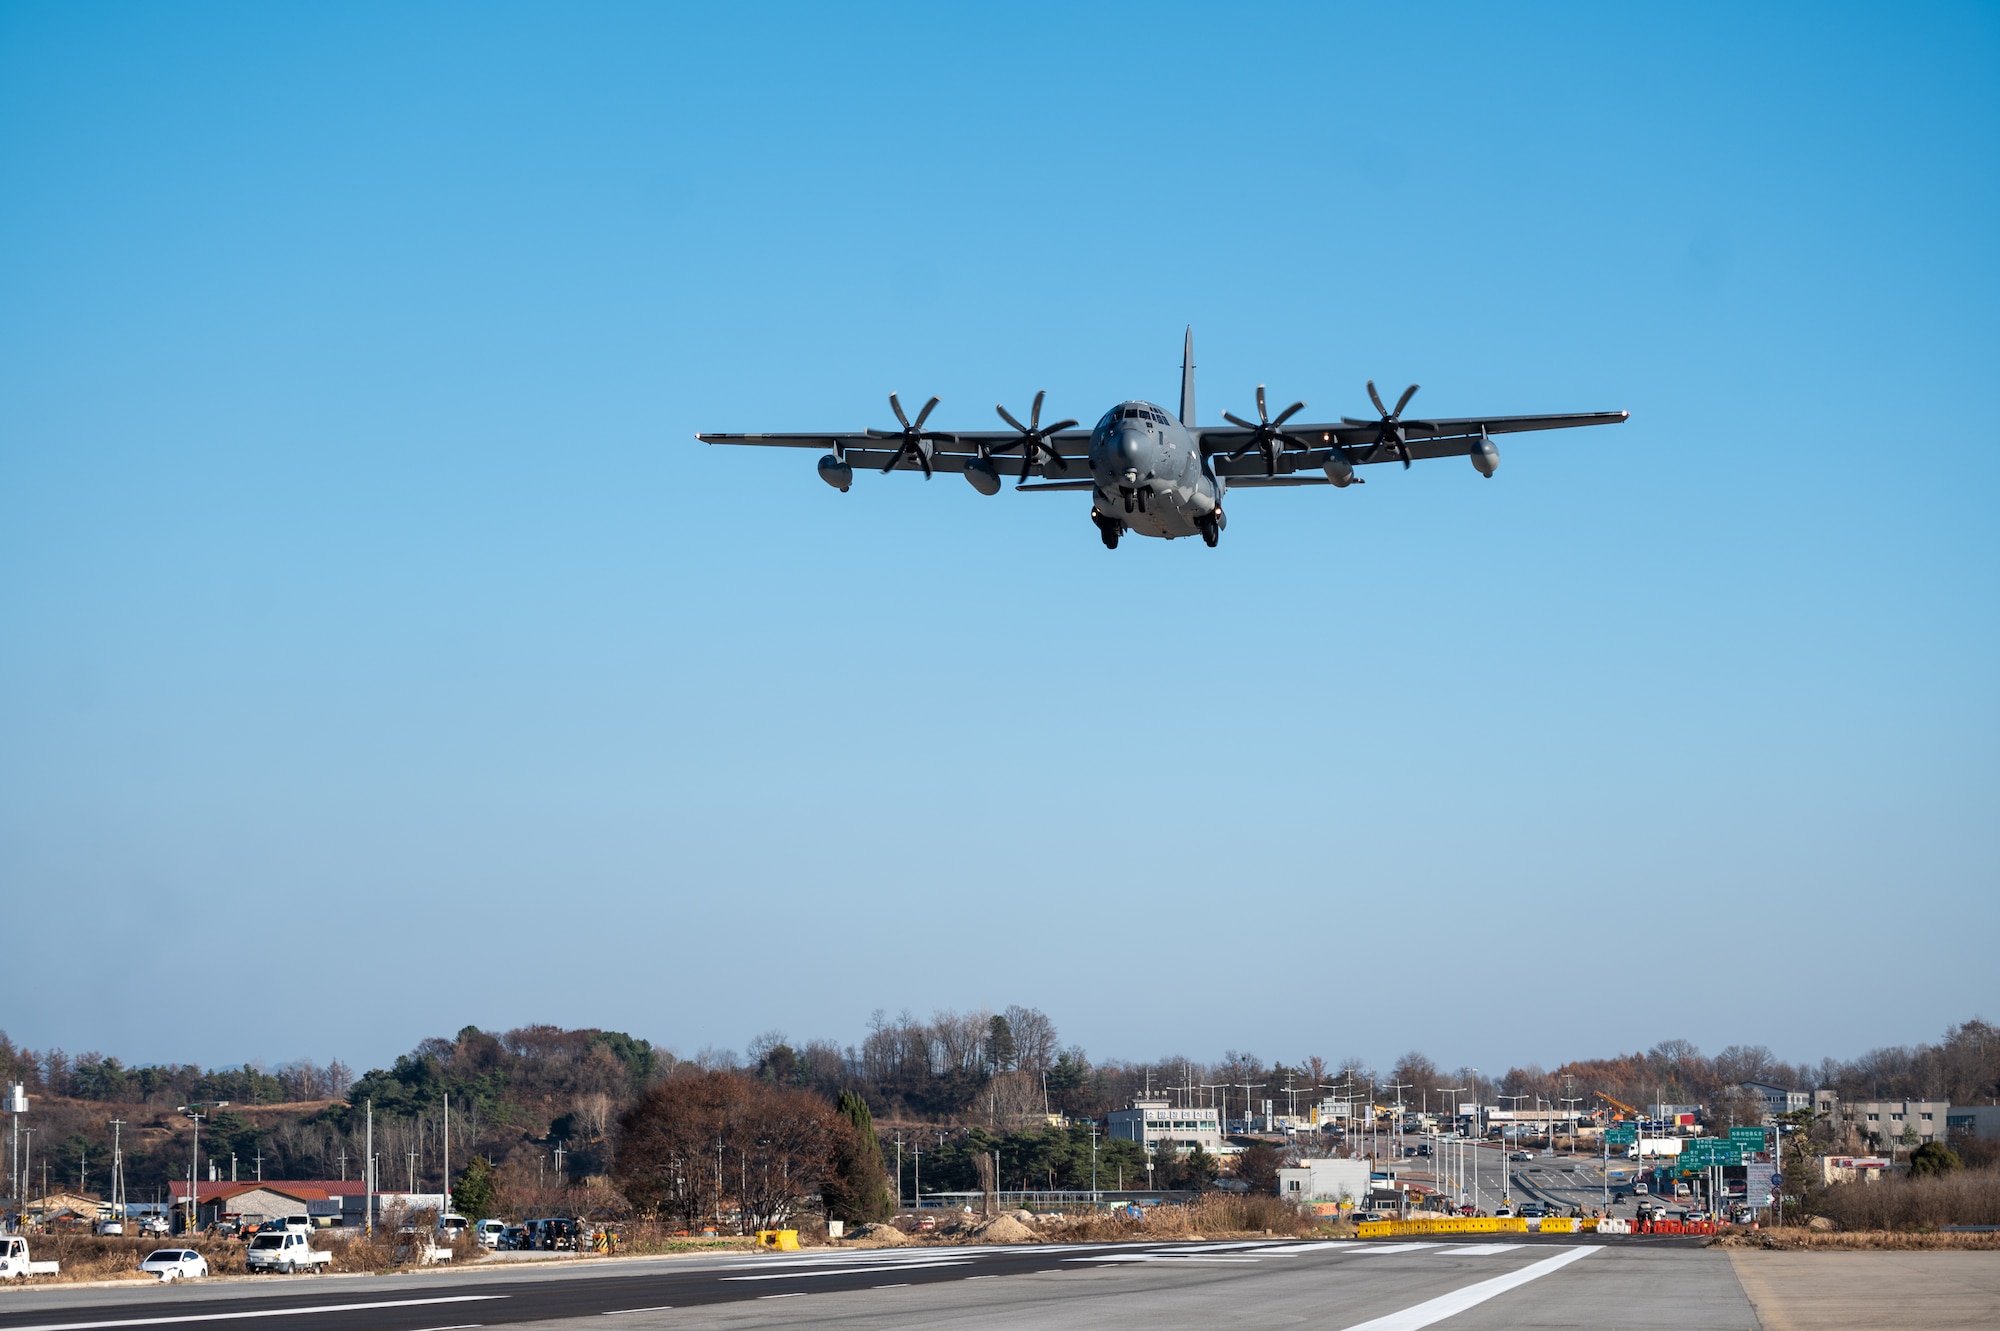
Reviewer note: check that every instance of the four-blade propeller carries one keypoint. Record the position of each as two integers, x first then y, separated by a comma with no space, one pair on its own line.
1389,429
1267,436
1035,436
916,441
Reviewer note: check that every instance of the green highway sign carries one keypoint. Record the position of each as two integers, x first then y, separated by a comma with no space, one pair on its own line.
1751,1138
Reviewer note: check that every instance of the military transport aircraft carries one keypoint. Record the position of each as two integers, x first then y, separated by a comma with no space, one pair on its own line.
1161,475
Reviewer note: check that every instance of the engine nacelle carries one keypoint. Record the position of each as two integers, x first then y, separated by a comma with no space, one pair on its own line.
1339,470
982,476
1485,457
836,473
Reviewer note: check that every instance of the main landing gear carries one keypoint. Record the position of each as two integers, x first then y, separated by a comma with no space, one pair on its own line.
1109,529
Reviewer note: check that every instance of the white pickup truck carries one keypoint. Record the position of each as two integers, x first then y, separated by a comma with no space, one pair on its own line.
14,1263
284,1250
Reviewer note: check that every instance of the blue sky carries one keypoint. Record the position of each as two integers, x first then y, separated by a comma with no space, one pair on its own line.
365,596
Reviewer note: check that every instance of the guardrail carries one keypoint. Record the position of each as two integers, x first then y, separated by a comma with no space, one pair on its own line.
1386,1229
1395,1229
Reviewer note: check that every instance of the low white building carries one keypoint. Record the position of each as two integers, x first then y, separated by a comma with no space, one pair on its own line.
1151,1121
1325,1181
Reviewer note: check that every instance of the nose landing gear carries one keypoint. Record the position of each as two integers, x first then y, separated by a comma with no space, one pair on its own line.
1211,528
1109,529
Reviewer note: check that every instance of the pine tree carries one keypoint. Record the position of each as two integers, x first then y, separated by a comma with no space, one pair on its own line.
855,1188
473,1193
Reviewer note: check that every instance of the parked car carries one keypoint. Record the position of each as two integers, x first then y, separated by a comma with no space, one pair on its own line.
284,1251
489,1233
514,1238
111,1227
175,1264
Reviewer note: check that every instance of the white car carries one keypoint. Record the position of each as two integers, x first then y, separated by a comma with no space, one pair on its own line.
111,1226
489,1232
175,1264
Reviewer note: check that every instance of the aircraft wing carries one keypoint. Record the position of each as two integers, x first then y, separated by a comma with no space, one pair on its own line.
1311,445
867,450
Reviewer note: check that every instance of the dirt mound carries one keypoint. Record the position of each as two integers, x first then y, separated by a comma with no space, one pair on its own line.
1004,1229
880,1236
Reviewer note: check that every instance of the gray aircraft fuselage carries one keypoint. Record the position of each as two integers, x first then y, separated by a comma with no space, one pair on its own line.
1149,472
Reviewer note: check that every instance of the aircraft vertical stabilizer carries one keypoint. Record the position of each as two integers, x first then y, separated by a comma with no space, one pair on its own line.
1187,379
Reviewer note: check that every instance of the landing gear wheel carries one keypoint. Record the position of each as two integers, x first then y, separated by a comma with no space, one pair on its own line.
1108,529
1110,535
1210,535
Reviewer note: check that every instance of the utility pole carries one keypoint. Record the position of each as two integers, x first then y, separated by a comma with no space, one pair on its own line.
117,1172
260,1162
17,1105
447,1158
368,1172
1093,1159
899,1158
194,1174
343,1164
917,1186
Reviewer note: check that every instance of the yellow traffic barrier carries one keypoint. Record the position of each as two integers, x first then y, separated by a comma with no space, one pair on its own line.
783,1240
1558,1225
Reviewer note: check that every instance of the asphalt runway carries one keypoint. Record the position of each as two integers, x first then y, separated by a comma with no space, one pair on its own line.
1350,1286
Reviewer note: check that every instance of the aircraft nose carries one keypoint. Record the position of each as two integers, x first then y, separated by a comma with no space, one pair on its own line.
1134,449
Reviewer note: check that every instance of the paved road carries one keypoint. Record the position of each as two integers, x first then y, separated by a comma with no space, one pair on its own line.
1466,1286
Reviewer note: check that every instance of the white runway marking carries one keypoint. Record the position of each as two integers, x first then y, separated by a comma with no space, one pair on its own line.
797,1273
1450,1305
261,1312
1481,1249
1374,1249
656,1308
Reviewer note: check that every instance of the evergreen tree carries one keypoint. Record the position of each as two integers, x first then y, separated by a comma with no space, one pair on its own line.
855,1188
1000,1051
473,1193
1934,1158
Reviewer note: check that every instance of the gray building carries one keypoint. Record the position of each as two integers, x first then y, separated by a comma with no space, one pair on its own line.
1965,1122
1777,1099
1885,1124
1151,1121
